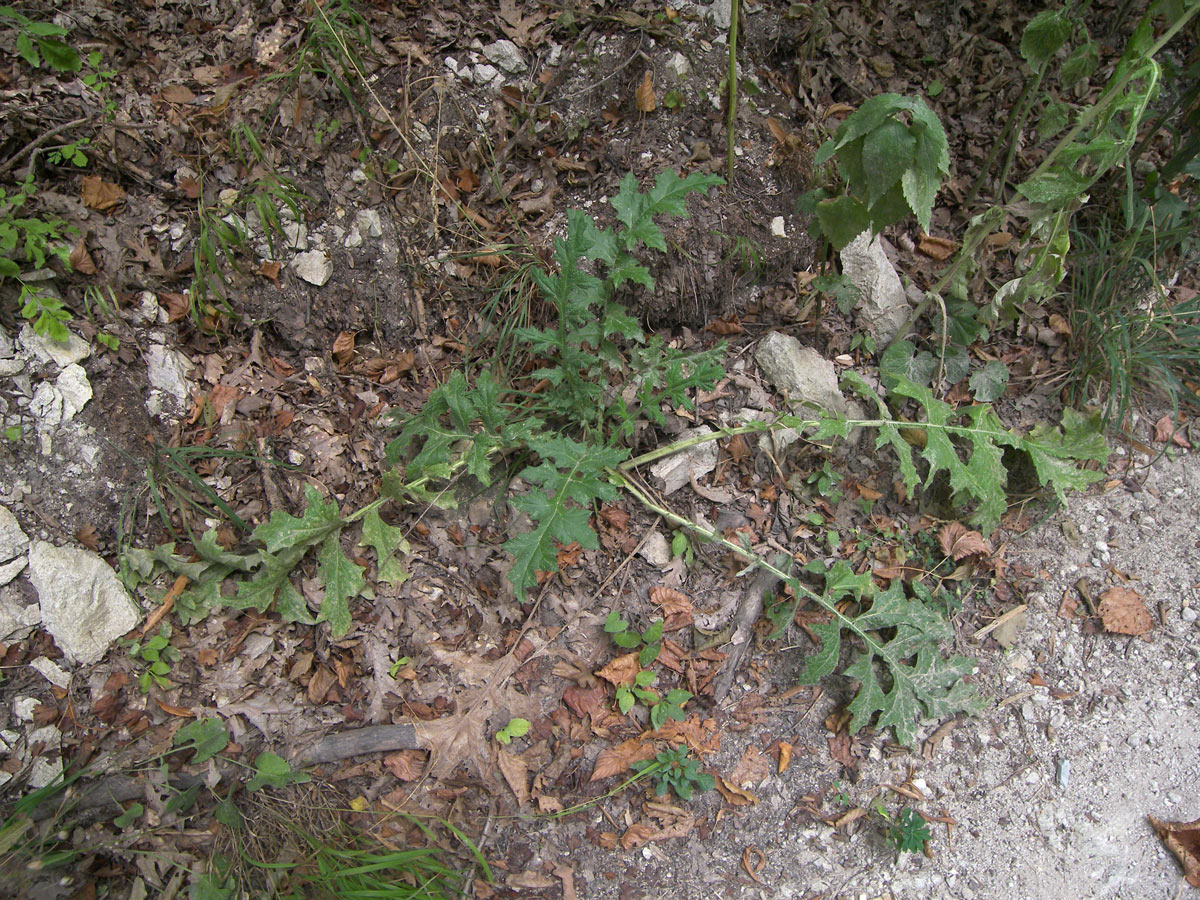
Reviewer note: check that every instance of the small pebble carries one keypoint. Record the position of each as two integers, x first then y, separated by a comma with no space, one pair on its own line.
1188,614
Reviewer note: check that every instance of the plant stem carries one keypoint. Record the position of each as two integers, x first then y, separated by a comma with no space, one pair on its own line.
731,79
1094,111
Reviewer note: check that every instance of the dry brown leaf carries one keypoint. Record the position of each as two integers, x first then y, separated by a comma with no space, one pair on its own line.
1123,611
343,347
1165,430
753,768
529,881
81,261
637,834
644,97
734,795
100,195
701,736
1182,839
177,93
516,773
406,765
785,756
621,671
673,602
320,684
615,760
937,248
1059,325
87,536
958,542
527,31
566,874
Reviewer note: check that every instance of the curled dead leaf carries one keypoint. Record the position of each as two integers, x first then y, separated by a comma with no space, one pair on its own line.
1182,839
734,795
1123,611
644,97
516,774
958,542
99,194
937,248
616,760
621,671
406,765
81,261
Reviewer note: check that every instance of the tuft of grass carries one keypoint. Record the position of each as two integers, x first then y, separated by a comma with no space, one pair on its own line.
1130,341
296,844
29,845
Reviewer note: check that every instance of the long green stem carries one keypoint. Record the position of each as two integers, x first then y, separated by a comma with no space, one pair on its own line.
732,80
1114,90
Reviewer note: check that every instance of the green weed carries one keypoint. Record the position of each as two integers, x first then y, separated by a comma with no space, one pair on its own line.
514,729
675,770
39,42
157,656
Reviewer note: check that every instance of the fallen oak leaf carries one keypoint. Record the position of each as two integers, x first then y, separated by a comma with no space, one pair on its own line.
621,671
99,194
516,774
958,542
1182,839
1123,611
615,760
644,96
406,765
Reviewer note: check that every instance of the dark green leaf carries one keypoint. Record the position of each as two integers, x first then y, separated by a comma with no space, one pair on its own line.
887,155
842,219
1043,37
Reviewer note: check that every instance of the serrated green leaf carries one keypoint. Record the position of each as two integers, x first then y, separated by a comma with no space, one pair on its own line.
388,542
206,737
342,579
988,384
842,219
1043,37
870,116
274,771
291,605
887,154
822,663
59,56
570,475
1080,64
284,531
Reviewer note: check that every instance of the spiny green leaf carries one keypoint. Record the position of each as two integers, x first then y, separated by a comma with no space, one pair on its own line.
283,531
342,579
207,737
842,219
887,154
387,541
1043,36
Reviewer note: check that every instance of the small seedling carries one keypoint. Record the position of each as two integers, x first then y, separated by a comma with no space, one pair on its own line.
274,771
398,665
676,771
514,729
825,481
908,832
158,655
673,100
649,640
14,433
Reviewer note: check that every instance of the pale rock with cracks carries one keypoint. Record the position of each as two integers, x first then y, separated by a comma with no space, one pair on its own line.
58,403
84,606
806,377
75,350
678,66
315,267
655,549
505,54
883,306
167,371
369,223
694,462
13,545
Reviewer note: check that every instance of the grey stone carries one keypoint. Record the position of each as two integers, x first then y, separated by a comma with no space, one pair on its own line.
84,607
314,267
51,672
484,74
655,549
369,223
13,541
76,349
678,66
800,372
883,306
54,404
167,371
694,462
504,53
16,616
721,10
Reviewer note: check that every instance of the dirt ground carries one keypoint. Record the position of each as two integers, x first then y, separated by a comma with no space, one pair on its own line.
427,204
